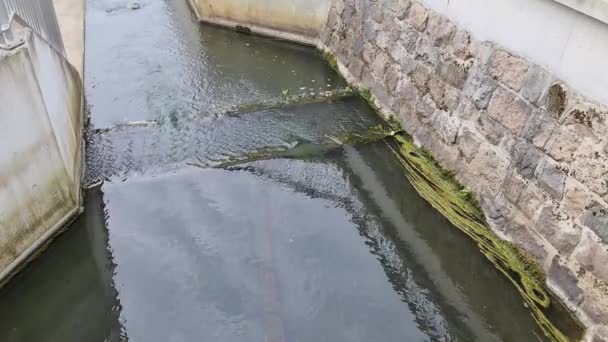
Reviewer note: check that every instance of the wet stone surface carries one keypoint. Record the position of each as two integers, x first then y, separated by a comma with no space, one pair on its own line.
332,246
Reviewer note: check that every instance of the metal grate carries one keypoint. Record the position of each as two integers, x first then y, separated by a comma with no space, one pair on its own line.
37,14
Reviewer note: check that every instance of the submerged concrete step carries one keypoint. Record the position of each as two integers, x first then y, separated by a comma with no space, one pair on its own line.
155,147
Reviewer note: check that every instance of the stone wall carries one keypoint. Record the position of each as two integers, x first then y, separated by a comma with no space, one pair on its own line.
533,149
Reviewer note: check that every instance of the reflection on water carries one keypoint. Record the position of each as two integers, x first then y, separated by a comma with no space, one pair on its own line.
339,249
67,294
158,62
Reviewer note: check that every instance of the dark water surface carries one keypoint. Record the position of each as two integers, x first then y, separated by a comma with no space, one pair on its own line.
326,247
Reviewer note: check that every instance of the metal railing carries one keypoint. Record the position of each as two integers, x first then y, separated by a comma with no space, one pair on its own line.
39,15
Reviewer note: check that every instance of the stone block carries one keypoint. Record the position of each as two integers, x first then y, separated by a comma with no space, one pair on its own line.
595,305
344,47
426,52
600,335
358,44
499,211
420,77
462,44
509,111
383,41
490,128
397,52
355,68
368,53
531,200
418,16
406,94
596,219
576,198
425,109
484,88
392,77
338,7
466,109
408,64
437,91
446,126
439,28
508,69
513,186
468,143
551,178
489,167
566,281
535,84
409,38
451,98
566,140
453,72
564,235
589,115
333,20
370,31
540,128
526,158
376,12
445,97
593,256
348,16
399,9
525,239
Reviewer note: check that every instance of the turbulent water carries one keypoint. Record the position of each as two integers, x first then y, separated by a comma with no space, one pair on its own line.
199,234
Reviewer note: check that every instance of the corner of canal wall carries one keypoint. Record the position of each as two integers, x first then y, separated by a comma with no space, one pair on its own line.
532,146
41,127
299,21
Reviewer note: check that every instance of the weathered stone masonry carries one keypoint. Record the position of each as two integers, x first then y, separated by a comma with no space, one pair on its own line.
534,151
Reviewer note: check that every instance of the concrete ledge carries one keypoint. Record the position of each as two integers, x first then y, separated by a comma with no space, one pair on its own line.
248,20
597,9
70,17
263,31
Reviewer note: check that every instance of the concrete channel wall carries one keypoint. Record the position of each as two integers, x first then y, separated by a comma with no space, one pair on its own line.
41,138
296,20
511,96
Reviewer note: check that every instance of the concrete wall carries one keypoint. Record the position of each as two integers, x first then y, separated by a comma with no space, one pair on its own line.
295,20
505,94
41,139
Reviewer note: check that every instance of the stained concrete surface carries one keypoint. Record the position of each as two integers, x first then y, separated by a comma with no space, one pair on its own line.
70,17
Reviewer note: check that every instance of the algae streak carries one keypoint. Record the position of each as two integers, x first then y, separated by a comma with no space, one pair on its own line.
454,202
306,150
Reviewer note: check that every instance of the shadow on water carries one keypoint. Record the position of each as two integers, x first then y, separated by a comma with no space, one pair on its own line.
68,293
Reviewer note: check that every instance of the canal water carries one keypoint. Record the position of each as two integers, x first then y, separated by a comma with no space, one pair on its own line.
222,217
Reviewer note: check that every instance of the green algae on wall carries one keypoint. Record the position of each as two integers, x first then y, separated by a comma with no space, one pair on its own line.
456,204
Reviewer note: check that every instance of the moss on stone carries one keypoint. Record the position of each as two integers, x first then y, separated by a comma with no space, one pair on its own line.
556,100
331,59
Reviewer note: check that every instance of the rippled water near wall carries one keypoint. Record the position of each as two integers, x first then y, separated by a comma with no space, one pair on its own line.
331,246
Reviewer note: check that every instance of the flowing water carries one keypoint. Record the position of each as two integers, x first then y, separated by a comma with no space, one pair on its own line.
225,216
